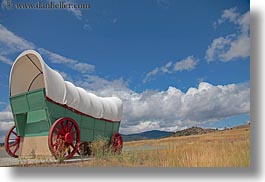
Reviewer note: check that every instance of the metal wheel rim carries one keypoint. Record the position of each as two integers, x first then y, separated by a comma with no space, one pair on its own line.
12,143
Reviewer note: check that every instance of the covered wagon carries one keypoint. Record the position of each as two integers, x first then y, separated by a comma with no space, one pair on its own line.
52,115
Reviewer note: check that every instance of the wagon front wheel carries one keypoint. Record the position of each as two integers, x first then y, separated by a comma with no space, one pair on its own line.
12,142
116,143
64,138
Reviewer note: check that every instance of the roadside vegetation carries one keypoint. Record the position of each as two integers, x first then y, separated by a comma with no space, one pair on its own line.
230,148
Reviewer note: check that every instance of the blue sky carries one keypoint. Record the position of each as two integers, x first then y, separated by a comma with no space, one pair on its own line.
175,64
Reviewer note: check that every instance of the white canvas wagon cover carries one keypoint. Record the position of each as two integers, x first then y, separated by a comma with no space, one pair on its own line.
29,72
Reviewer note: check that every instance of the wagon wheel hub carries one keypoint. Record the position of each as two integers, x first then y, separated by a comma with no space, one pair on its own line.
69,138
17,139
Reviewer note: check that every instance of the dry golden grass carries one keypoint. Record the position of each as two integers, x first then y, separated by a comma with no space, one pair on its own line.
229,148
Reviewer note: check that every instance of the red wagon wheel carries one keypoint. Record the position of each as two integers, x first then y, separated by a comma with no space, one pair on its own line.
12,142
116,143
64,138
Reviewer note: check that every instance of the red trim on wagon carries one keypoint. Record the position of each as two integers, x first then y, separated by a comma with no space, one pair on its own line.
78,112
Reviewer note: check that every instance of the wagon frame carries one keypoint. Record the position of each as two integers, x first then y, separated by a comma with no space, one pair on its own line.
52,116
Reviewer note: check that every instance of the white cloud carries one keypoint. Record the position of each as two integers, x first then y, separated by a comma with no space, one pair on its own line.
6,122
238,48
6,119
150,74
218,47
56,58
141,127
209,102
5,126
11,43
166,68
101,86
173,109
186,64
6,116
5,60
71,63
232,46
84,67
244,22
230,15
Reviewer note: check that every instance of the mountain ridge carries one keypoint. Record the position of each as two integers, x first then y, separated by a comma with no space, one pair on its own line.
152,134
157,134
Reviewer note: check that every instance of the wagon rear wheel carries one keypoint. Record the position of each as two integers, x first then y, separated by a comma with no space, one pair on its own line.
64,138
12,142
116,143
84,149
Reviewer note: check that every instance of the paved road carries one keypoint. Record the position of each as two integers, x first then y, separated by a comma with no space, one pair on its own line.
6,160
3,153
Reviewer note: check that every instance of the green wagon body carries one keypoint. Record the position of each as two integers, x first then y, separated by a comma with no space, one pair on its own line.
34,114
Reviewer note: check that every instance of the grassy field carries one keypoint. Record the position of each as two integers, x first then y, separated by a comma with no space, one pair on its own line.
229,148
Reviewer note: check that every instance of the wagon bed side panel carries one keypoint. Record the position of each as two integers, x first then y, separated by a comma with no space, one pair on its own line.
90,128
30,113
87,128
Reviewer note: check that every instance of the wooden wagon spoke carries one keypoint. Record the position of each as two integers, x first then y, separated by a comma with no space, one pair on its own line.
16,149
63,128
73,132
55,144
57,129
13,144
72,145
67,126
14,133
71,127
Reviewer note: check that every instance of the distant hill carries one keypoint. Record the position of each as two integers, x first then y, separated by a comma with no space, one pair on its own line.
193,131
157,134
242,126
153,134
